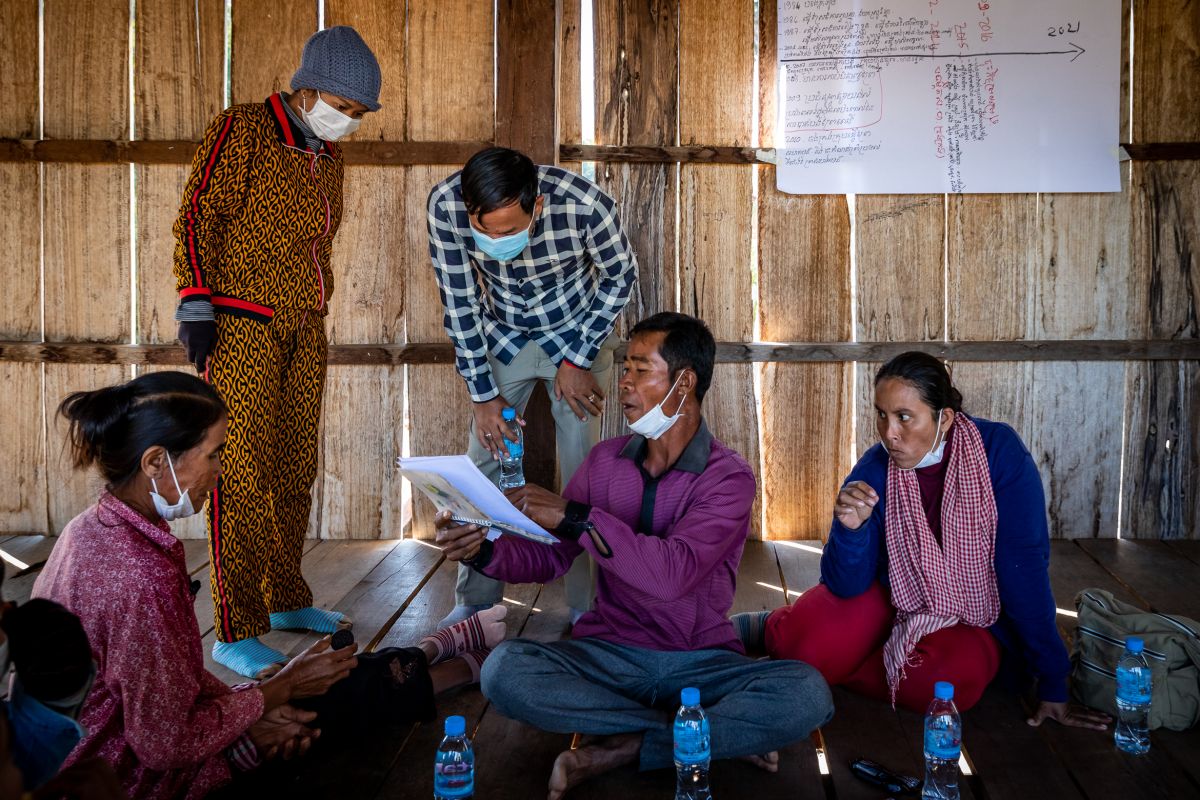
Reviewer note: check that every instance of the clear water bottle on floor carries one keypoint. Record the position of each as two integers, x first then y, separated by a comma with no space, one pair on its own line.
1132,732
943,744
454,769
512,455
692,748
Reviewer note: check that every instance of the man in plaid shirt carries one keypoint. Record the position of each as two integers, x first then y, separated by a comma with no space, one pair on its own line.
533,269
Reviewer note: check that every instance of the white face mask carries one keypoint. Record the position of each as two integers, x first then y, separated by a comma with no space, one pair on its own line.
183,508
654,423
327,122
934,456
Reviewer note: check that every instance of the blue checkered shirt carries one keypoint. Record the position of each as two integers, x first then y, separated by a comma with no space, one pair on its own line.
563,292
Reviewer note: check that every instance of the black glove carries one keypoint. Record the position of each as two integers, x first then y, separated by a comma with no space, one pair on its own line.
198,339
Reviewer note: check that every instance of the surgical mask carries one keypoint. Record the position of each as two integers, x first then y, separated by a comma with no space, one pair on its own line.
502,248
327,122
654,423
934,456
179,510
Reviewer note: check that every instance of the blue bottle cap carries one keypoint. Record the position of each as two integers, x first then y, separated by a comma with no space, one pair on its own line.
509,414
1134,644
943,690
455,726
690,696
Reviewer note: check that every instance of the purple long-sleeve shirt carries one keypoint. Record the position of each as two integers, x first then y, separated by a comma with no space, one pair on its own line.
668,585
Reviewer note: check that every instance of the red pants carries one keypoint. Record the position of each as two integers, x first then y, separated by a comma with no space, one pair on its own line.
844,637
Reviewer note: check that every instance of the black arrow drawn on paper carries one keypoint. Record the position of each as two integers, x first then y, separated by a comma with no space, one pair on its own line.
1076,49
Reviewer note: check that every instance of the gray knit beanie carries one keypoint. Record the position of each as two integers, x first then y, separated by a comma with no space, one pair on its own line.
338,61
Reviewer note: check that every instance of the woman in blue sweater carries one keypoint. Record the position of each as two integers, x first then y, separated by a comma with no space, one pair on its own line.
936,561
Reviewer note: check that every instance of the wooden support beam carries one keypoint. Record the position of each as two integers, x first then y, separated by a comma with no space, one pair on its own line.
639,154
1163,151
727,352
99,151
1080,350
398,153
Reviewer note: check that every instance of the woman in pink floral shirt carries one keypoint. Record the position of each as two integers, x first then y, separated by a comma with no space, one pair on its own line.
168,726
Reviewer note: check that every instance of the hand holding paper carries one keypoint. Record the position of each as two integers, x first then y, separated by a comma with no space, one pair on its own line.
454,484
459,542
543,507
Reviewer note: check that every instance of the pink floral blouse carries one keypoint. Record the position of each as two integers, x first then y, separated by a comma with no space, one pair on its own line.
155,713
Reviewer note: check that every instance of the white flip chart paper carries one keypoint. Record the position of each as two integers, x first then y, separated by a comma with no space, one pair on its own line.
961,96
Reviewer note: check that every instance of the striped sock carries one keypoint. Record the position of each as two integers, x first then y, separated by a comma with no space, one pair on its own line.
247,657
751,628
475,659
479,631
317,620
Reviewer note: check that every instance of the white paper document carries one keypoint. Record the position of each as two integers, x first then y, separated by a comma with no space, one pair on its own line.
959,96
454,484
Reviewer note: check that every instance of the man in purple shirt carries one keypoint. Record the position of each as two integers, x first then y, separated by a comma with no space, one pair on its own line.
665,513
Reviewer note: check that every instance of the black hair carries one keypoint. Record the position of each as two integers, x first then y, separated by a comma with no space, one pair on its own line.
928,375
114,426
49,649
498,177
688,343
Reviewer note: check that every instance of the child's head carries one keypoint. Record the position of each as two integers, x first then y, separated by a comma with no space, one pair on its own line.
50,652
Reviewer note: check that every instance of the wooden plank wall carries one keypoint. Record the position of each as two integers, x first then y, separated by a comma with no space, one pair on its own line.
86,246
23,498
804,291
1118,443
178,87
1162,443
449,98
927,268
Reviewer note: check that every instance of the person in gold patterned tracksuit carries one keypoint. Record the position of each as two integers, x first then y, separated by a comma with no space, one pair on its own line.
254,238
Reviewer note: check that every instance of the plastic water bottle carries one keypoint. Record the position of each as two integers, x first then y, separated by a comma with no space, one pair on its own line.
454,769
512,471
943,744
692,748
1132,732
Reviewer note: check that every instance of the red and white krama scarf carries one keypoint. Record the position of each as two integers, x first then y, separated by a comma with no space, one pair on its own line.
935,587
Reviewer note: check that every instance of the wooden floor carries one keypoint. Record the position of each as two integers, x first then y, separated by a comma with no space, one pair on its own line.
396,591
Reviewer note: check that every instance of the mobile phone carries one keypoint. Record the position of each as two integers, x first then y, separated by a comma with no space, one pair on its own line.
878,775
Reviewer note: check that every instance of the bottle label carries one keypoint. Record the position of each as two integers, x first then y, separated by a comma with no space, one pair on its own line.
1134,685
453,779
692,744
942,744
515,449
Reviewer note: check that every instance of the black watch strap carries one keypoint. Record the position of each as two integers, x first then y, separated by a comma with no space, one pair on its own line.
575,521
483,557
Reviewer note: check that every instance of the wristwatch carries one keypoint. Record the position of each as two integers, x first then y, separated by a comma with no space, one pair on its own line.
575,521
483,557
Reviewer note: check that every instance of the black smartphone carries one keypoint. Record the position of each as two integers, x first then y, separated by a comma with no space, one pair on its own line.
877,775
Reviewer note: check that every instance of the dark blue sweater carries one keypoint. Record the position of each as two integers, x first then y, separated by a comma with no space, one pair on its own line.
1026,628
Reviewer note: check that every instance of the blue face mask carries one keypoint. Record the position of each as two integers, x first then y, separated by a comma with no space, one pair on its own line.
503,248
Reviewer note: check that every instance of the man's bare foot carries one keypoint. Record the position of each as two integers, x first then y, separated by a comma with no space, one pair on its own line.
768,762
597,756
